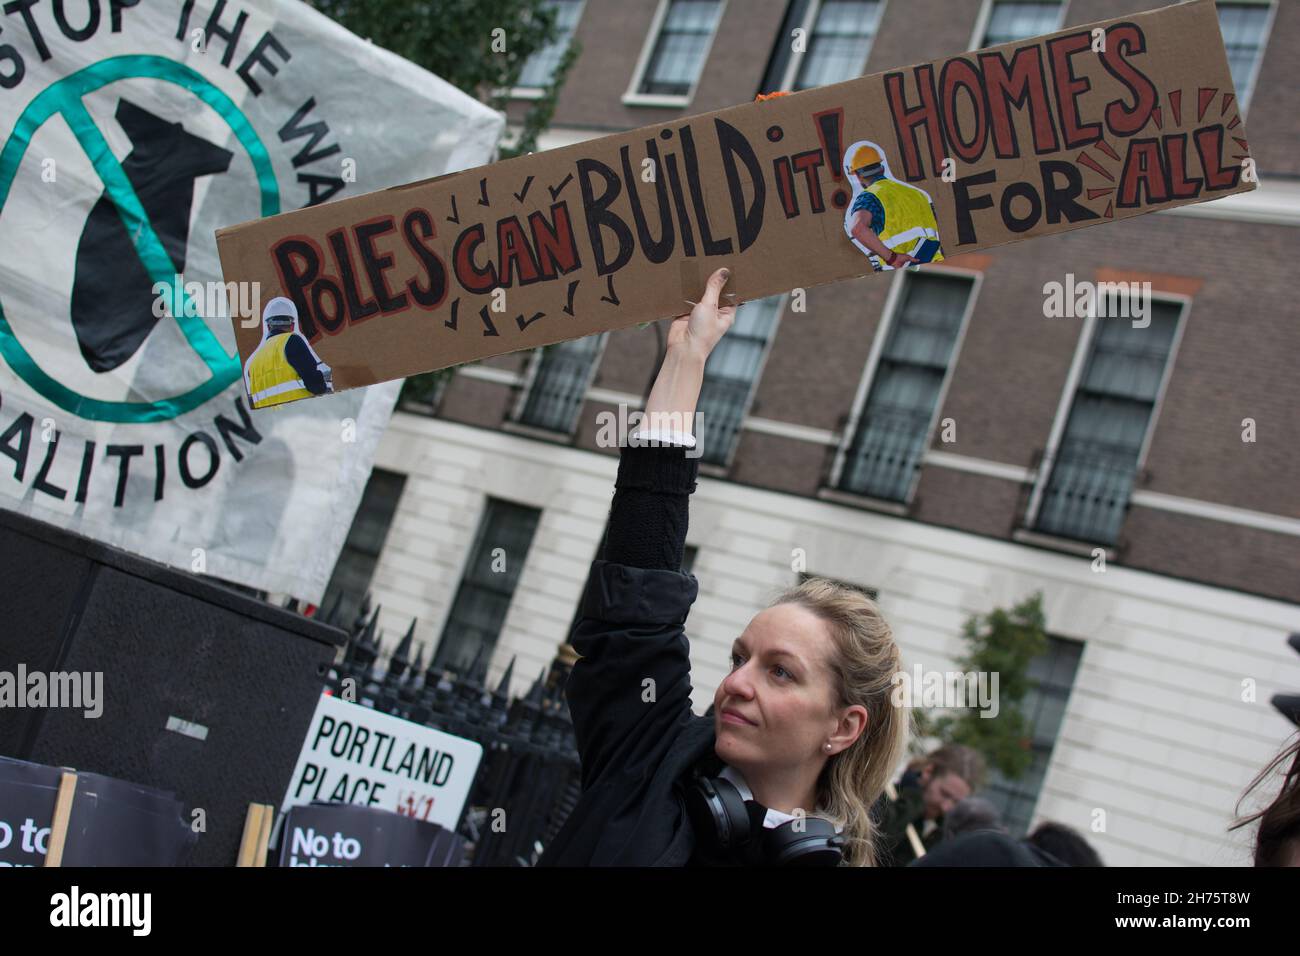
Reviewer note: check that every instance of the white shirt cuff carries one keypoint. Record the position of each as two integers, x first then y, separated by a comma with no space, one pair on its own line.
660,436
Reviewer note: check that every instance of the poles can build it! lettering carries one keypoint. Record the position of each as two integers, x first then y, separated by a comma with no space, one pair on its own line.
909,167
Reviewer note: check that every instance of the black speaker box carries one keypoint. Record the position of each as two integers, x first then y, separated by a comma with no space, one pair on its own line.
205,691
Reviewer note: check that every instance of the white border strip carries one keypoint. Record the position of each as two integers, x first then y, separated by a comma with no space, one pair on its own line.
1216,512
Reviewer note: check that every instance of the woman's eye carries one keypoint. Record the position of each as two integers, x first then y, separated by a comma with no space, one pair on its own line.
735,662
783,673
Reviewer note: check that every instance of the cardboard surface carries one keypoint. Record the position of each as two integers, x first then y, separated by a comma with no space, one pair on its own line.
1089,124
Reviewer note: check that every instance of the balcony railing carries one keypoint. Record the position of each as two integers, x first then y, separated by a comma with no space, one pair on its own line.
557,393
1087,491
885,453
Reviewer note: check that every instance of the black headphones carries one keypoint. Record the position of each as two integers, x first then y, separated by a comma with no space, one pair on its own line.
731,826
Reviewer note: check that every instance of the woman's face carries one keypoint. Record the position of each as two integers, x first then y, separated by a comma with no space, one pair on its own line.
776,710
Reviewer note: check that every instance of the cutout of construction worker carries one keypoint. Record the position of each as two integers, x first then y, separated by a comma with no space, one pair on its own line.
892,222
284,367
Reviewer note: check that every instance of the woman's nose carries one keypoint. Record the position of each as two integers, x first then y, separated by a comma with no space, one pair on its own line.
737,683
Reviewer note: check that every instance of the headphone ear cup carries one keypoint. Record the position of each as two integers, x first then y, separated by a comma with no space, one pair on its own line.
817,845
738,827
718,813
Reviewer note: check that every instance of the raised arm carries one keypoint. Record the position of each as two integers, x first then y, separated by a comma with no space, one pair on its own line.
632,682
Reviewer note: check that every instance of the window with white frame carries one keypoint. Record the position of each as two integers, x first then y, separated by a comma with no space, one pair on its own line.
1011,21
730,376
1051,676
540,67
1092,471
561,375
837,41
1244,27
677,57
889,438
505,533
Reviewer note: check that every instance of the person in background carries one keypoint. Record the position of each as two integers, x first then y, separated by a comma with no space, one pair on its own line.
929,789
1064,843
1277,841
971,815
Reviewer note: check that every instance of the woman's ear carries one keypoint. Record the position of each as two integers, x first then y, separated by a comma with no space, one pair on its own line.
863,722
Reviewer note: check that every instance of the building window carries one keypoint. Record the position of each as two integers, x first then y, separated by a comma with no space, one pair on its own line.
837,40
356,563
680,48
1245,28
1011,21
730,376
869,592
1092,471
885,451
1052,675
539,70
561,374
505,533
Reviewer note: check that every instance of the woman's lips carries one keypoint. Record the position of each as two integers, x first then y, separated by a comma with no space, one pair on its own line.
731,717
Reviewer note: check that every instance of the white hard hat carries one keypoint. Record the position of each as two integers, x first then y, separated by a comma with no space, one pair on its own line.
280,306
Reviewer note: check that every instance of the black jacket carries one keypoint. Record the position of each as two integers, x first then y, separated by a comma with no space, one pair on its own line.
986,848
629,694
894,817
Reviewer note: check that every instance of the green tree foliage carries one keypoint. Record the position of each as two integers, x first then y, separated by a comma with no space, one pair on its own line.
480,47
1003,642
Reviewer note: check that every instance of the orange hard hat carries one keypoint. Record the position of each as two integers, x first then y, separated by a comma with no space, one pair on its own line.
863,157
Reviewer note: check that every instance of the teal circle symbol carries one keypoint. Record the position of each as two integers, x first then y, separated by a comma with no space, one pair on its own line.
65,97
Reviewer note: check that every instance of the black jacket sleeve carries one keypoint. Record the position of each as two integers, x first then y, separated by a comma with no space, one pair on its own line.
631,688
299,356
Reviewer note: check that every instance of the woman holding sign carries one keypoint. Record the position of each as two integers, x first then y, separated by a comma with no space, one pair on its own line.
802,736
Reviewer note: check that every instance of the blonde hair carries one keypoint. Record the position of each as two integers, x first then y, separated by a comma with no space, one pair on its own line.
863,666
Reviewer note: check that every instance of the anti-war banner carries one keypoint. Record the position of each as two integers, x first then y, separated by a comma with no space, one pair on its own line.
131,131
908,167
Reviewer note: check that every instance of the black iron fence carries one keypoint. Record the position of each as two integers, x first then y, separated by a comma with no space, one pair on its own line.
528,781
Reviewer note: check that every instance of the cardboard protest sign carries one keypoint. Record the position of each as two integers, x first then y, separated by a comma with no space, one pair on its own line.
354,754
130,131
912,166
112,823
345,835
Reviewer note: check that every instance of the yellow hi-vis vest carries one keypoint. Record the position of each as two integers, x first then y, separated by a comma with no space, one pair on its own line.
271,379
909,217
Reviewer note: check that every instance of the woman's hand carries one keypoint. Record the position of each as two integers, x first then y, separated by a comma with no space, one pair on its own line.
676,391
702,328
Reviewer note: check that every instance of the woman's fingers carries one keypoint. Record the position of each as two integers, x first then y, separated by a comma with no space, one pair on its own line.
714,287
